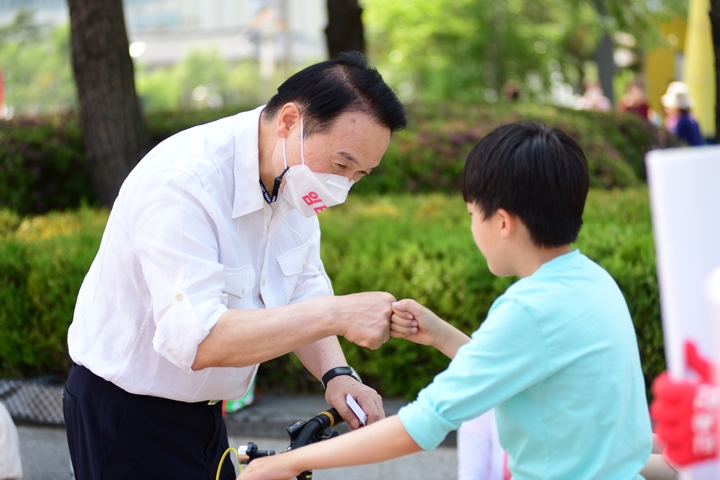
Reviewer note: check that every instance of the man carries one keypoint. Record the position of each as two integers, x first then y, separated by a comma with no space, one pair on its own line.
210,264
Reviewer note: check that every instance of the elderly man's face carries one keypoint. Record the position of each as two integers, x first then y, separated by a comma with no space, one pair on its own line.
352,147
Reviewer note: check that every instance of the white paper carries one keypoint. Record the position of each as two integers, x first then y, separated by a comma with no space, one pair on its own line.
356,409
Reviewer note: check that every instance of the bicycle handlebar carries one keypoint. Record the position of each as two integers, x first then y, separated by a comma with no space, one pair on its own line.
301,433
305,433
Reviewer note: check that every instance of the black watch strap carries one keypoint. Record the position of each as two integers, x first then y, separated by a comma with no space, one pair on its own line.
336,372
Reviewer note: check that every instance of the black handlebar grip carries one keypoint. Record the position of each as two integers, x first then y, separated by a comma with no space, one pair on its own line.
329,418
312,429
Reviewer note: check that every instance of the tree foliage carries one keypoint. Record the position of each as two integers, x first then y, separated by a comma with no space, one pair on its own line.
223,83
469,49
35,66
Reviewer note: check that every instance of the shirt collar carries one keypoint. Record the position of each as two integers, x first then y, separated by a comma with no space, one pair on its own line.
561,261
246,167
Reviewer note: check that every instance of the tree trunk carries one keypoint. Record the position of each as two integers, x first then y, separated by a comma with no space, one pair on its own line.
605,59
345,29
110,119
715,27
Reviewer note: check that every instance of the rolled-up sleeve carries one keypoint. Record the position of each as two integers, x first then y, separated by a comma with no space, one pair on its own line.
172,230
504,357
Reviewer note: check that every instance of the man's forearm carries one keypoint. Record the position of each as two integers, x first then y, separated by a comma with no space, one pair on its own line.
246,337
325,354
321,355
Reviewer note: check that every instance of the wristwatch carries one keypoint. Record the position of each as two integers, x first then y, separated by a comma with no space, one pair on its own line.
336,372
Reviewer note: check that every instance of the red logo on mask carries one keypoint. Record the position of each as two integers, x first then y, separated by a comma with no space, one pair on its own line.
312,198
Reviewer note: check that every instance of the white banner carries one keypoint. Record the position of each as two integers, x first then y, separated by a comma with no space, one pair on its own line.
684,188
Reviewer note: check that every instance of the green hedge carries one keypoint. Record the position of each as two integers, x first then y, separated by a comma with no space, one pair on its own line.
42,164
415,246
43,261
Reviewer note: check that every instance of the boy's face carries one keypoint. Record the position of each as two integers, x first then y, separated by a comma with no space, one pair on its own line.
486,235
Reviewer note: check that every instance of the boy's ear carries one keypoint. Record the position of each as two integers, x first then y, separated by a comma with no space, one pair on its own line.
507,222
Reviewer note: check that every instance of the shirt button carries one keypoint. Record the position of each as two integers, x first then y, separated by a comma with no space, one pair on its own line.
179,297
303,264
263,281
243,291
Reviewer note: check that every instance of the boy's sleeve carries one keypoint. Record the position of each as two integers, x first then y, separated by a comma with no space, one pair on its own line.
504,357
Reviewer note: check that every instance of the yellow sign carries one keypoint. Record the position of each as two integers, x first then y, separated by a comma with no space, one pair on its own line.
699,65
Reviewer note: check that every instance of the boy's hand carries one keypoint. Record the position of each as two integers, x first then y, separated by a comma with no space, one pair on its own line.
413,322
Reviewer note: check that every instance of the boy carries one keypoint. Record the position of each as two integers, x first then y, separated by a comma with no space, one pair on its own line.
557,355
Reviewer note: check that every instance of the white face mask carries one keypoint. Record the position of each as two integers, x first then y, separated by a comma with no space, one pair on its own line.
311,192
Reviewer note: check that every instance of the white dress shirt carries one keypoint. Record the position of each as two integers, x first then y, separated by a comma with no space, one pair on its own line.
189,236
10,463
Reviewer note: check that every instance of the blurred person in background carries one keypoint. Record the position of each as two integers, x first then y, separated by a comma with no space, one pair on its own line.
634,100
677,104
594,98
511,91
480,455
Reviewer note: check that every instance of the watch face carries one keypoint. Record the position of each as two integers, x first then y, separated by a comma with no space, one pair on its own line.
355,375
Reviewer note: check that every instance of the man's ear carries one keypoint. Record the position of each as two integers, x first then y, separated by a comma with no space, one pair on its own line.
288,117
507,222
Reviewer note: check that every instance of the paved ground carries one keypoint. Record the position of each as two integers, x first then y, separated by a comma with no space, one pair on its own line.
45,456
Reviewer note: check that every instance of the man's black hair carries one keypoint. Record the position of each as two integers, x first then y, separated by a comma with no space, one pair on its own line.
534,172
346,83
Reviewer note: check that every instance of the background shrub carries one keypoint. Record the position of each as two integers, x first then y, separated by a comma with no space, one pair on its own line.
43,167
42,265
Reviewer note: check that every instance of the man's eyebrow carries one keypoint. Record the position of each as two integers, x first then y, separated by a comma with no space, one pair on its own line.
352,159
349,157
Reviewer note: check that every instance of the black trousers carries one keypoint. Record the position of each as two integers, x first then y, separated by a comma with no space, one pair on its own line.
115,435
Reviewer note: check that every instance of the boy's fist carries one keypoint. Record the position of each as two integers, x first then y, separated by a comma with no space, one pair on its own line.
686,412
414,322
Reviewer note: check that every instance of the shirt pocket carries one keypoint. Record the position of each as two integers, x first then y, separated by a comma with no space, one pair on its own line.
292,263
239,282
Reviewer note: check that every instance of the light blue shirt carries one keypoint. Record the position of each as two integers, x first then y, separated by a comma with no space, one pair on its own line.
558,358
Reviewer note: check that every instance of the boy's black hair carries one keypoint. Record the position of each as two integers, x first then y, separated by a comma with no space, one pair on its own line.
346,83
532,171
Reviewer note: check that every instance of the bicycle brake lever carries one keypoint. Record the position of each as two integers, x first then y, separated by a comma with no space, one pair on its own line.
252,452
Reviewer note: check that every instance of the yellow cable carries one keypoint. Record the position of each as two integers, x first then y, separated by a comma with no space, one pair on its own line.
222,459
